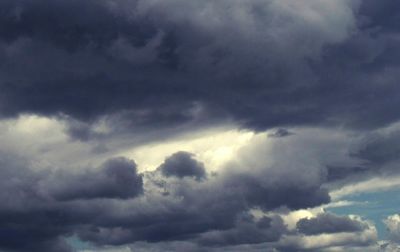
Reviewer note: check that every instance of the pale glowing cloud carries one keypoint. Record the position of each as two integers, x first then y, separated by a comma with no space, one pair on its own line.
212,147
371,185
315,242
293,217
393,226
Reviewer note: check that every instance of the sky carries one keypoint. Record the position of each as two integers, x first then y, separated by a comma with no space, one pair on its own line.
199,126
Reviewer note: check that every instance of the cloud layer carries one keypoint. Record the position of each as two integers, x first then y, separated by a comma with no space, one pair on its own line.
309,86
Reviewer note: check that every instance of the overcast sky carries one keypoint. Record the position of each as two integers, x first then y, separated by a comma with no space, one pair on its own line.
199,125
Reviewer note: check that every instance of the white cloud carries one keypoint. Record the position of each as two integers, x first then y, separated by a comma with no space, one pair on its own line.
393,226
322,241
213,147
371,185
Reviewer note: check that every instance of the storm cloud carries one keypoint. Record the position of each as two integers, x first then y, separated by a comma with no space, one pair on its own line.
161,63
328,223
117,178
181,164
111,113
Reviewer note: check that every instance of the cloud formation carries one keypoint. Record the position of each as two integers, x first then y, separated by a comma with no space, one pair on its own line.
393,226
85,84
181,164
117,178
156,65
328,223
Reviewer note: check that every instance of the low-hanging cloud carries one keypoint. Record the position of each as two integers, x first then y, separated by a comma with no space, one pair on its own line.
316,81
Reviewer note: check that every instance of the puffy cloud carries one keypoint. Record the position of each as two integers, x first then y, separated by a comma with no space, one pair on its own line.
246,232
117,178
281,133
148,61
393,226
122,74
159,64
347,239
182,164
380,148
114,205
35,204
328,223
262,63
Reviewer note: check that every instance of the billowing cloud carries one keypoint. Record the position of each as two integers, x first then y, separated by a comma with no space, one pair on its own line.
246,232
153,63
181,164
262,63
117,178
307,89
393,226
328,223
184,60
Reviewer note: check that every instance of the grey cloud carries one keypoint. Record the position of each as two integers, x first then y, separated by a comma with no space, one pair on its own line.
72,25
337,173
34,215
328,223
182,164
376,152
281,133
187,59
106,206
117,178
102,206
208,216
327,232
270,67
246,232
147,66
271,195
379,148
24,224
249,67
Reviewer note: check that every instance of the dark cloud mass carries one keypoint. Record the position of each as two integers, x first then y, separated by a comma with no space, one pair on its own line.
269,195
117,178
246,232
281,133
111,205
94,58
328,223
182,165
121,74
39,207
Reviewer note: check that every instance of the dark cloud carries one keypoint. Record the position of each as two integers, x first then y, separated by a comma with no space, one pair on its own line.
246,232
109,205
34,214
71,25
140,59
336,173
377,154
24,224
270,195
80,131
379,148
182,164
147,66
117,178
328,223
281,133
